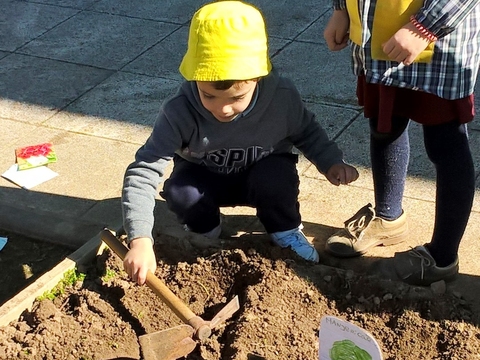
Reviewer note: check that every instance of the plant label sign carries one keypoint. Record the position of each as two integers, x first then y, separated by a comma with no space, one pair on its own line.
341,340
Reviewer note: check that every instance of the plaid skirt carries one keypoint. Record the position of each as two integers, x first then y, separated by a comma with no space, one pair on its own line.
385,102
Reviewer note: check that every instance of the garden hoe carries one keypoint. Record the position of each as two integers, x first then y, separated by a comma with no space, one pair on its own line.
178,341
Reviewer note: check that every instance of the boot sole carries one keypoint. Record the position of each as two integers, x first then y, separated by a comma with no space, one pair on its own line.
381,242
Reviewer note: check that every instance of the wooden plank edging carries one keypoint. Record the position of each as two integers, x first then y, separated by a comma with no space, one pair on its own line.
13,308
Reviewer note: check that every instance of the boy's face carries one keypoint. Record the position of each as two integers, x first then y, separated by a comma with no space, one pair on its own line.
225,105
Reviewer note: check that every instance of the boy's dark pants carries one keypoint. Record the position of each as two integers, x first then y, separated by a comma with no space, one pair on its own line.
271,185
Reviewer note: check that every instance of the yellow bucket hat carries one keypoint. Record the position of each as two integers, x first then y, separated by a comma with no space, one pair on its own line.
227,41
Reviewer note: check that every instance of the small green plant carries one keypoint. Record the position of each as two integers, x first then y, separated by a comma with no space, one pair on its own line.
109,274
70,278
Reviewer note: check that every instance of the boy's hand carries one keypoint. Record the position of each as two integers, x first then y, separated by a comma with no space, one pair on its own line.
406,44
341,174
139,259
336,31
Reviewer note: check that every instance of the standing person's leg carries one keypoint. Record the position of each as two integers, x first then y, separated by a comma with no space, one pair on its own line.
272,187
194,194
448,149
384,224
389,154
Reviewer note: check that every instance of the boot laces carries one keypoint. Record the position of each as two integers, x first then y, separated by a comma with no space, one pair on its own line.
425,261
357,224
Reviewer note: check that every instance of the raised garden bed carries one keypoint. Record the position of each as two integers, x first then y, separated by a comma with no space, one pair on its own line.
282,301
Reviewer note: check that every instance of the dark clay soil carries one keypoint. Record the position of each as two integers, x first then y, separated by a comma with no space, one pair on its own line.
282,300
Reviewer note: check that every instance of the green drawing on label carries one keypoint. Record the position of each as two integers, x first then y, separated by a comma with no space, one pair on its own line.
347,350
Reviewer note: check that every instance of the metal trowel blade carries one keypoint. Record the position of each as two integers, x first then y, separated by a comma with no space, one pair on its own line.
170,344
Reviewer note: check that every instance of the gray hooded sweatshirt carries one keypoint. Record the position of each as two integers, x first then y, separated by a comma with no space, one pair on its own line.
276,123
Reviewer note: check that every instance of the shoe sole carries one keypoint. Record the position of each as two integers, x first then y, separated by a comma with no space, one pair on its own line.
447,279
427,282
382,242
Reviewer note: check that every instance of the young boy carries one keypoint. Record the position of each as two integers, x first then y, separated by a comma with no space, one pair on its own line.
230,130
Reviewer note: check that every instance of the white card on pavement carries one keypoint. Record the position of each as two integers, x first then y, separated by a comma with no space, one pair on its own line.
30,177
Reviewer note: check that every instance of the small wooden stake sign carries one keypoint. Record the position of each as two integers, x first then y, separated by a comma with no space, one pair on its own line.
340,340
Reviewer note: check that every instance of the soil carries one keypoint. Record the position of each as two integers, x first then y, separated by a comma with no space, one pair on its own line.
282,300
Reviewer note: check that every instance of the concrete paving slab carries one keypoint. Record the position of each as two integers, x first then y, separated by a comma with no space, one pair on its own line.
173,11
354,142
16,134
286,20
90,169
334,119
328,84
107,211
43,202
34,89
63,229
77,4
103,127
19,134
314,33
164,58
77,204
123,107
99,39
21,22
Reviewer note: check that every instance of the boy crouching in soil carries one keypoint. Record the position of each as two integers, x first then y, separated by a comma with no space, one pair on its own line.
230,131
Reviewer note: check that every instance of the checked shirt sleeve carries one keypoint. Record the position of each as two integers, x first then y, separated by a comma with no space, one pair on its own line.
339,4
441,17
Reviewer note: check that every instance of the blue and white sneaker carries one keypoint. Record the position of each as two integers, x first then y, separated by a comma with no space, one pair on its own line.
296,240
